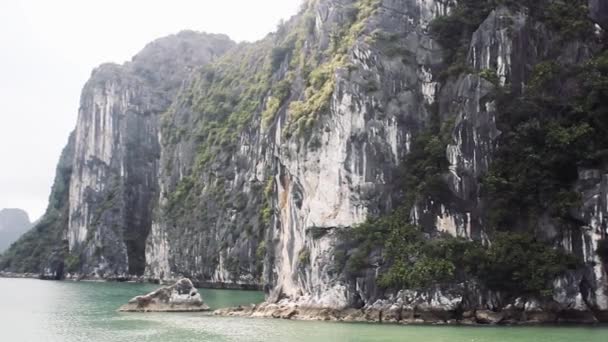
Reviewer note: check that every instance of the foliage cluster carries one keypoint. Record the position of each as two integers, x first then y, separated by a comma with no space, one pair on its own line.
555,127
289,70
260,255
319,67
304,257
547,134
250,79
267,203
569,18
72,263
515,263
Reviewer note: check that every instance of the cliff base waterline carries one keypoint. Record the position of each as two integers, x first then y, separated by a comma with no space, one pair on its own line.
411,316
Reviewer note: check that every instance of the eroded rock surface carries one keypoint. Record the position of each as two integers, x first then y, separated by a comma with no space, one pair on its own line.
249,164
180,297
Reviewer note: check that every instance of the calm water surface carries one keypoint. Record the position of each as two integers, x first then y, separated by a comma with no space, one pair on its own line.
34,310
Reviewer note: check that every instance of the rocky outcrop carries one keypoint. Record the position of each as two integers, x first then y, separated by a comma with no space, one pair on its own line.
180,297
399,314
321,192
250,165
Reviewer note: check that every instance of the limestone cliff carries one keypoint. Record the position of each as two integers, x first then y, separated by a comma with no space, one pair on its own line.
113,187
391,155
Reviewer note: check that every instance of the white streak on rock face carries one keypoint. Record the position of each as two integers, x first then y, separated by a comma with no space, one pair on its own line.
503,60
96,140
157,254
318,287
322,260
278,131
221,274
591,239
324,186
431,9
393,138
317,189
567,293
598,30
455,225
491,49
447,224
429,88
291,238
454,157
593,186
474,56
492,44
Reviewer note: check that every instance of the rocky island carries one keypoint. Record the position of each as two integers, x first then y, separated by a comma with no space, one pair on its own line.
13,224
410,160
179,297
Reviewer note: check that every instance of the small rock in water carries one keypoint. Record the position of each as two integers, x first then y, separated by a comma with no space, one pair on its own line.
180,297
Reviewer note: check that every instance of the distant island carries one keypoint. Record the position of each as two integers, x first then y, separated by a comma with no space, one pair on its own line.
13,224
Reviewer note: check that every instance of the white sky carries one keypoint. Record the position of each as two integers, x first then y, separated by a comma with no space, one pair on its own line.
48,49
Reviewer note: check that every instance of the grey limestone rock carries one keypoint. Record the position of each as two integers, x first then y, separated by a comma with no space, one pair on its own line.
179,297
177,169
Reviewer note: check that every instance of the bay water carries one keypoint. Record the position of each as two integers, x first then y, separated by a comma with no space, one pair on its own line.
34,311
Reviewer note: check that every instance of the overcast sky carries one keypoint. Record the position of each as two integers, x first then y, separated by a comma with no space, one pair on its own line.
47,52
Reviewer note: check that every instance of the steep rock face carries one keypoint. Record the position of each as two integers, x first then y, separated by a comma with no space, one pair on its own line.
208,225
510,44
592,284
378,104
13,223
337,184
114,183
258,167
342,169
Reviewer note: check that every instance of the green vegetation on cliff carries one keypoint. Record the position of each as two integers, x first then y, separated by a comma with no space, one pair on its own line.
318,66
289,74
548,132
514,262
568,18
557,126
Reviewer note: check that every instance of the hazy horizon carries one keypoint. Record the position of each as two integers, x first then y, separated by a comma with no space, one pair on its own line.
49,50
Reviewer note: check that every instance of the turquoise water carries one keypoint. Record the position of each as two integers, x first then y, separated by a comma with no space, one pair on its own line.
34,310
